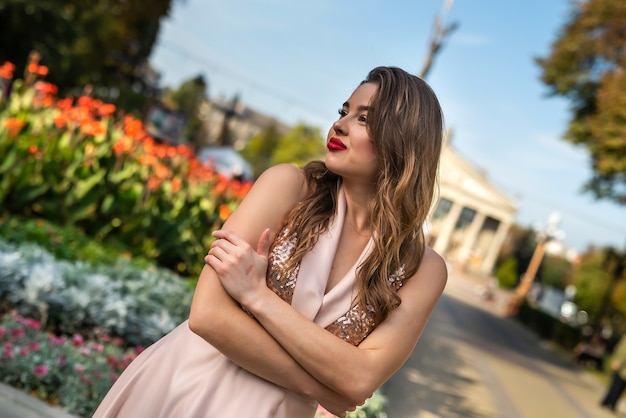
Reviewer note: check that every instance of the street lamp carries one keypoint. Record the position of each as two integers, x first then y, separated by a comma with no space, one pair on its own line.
545,236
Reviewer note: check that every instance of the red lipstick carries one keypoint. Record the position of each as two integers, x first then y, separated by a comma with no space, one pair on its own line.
335,144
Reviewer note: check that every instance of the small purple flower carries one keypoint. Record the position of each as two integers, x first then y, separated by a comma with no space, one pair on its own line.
3,332
7,350
79,368
56,341
77,340
30,323
33,345
17,333
41,370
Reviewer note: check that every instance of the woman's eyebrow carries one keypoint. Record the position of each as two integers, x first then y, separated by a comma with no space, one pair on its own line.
361,108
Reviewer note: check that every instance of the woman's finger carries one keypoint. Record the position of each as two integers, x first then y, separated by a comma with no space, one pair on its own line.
230,236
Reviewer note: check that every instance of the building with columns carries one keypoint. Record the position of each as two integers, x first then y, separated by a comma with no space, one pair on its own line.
471,218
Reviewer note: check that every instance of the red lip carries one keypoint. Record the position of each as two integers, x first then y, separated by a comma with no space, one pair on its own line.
335,144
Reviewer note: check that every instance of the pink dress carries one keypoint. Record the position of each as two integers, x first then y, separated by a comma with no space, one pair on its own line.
183,376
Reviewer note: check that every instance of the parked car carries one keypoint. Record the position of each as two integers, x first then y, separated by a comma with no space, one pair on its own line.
227,161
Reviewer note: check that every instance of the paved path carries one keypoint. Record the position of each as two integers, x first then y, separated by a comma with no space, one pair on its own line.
472,362
17,404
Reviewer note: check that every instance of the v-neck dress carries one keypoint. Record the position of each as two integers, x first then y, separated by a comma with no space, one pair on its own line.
183,376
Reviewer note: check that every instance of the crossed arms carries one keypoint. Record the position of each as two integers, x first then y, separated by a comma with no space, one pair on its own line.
279,344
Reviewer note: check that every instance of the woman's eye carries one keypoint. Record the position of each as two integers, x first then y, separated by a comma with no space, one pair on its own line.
342,113
363,118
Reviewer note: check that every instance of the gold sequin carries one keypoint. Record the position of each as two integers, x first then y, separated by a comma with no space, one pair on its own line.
354,325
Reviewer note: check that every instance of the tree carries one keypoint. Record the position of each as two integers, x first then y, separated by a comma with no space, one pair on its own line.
555,272
587,65
103,43
299,146
186,100
258,151
592,280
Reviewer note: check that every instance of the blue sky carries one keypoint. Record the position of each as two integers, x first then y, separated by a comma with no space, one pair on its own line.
298,61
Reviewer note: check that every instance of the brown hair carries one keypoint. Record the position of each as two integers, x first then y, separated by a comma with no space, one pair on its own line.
405,123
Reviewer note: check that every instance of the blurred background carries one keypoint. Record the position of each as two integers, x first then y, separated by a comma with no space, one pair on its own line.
139,126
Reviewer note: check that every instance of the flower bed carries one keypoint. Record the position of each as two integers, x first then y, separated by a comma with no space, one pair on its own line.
68,371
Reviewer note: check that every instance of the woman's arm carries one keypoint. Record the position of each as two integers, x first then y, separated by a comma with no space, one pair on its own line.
218,319
355,372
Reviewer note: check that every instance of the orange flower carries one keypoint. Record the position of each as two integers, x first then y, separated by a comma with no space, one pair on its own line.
224,212
93,127
176,184
6,71
64,104
122,145
60,121
147,159
42,70
161,171
14,126
106,109
34,151
32,67
133,128
85,101
153,184
46,88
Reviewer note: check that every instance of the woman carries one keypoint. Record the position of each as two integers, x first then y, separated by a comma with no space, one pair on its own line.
348,260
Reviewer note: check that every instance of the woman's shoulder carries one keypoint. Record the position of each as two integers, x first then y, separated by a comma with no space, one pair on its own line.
276,190
288,176
432,267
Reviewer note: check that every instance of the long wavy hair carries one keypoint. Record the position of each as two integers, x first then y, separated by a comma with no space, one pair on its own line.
405,123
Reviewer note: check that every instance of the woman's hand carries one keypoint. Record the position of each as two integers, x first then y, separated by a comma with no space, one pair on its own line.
240,268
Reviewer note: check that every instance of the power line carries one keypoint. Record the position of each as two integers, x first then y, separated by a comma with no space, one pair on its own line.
242,79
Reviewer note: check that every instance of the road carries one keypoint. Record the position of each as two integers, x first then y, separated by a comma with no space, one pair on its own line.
472,362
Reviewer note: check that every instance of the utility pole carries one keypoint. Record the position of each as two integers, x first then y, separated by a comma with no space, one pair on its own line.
440,33
528,278
230,110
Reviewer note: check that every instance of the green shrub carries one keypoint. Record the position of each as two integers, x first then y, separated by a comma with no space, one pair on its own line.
507,273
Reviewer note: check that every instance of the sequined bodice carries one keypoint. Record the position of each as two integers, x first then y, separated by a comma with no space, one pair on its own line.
353,326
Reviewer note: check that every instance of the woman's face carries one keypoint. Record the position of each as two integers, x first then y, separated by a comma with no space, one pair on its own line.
351,152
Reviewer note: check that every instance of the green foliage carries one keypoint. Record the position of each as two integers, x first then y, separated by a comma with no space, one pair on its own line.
586,65
591,281
548,327
66,243
556,272
258,151
506,273
300,145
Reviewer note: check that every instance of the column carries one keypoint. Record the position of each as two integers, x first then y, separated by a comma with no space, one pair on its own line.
494,248
447,228
470,236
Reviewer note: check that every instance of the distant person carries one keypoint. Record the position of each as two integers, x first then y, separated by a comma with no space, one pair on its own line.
618,378
336,303
591,351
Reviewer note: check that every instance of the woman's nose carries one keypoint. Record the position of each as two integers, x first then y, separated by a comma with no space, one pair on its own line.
340,127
